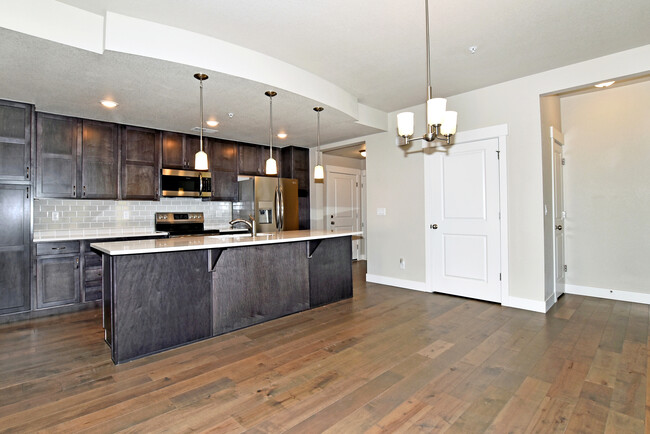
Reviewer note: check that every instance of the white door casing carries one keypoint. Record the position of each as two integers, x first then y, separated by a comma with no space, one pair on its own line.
557,142
343,197
466,232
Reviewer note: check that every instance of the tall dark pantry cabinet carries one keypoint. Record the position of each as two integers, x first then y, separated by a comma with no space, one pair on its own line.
15,205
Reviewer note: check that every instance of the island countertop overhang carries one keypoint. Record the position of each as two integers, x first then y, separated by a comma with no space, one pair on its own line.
213,242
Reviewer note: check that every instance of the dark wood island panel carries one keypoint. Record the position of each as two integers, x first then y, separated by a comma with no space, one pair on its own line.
157,301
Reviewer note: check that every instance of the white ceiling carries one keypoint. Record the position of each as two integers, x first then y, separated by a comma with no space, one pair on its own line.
372,49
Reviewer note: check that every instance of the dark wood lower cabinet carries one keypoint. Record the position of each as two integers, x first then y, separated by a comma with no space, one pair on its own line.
57,280
14,248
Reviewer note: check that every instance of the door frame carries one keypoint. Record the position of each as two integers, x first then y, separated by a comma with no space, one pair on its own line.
500,133
556,137
350,171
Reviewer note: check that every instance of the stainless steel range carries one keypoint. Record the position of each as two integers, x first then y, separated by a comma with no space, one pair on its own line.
184,224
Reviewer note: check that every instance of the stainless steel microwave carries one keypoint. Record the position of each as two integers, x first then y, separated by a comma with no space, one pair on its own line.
185,183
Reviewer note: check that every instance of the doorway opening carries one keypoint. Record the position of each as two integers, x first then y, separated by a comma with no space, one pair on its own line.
344,192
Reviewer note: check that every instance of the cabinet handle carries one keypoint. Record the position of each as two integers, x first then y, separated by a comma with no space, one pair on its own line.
27,192
74,191
84,193
76,262
58,248
27,173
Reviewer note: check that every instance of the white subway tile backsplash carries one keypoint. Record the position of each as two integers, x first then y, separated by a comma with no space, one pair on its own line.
93,215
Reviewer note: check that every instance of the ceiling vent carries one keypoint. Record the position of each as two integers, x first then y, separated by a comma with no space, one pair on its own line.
205,130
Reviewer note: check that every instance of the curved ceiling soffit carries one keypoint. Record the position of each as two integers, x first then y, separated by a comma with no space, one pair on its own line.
65,24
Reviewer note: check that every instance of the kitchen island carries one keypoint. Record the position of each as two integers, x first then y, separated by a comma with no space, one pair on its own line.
162,293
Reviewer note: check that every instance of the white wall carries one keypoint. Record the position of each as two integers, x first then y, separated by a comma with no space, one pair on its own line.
396,181
607,187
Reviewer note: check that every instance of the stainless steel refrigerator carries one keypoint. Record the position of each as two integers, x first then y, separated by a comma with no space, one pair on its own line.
273,202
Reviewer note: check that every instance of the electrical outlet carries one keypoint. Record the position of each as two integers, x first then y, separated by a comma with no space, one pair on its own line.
381,211
402,263
55,216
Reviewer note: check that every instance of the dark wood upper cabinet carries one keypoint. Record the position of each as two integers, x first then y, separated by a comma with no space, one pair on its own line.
179,150
14,248
15,141
192,146
140,163
252,159
295,164
222,156
172,152
249,160
99,160
57,153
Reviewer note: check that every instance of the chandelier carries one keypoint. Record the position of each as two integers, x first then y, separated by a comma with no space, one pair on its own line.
441,124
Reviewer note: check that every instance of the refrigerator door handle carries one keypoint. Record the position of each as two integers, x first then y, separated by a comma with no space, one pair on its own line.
276,208
281,209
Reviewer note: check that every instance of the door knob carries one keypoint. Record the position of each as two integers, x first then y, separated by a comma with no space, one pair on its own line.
433,226
558,227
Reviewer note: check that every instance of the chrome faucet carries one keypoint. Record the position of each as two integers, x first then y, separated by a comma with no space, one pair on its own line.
252,226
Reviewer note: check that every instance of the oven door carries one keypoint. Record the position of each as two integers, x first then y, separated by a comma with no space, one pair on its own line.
180,183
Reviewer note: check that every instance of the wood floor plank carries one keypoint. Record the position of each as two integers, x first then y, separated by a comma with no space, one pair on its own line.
388,360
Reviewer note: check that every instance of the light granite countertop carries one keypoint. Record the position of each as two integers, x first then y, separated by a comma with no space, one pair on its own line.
213,242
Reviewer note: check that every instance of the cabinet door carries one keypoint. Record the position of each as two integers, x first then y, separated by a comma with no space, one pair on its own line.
223,164
14,248
250,160
99,160
192,146
15,140
57,147
172,152
140,163
57,280
223,155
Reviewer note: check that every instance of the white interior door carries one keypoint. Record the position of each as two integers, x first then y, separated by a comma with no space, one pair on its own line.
464,226
343,202
557,141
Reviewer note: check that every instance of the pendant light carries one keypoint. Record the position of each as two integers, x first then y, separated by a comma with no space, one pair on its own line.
441,124
271,164
319,173
201,158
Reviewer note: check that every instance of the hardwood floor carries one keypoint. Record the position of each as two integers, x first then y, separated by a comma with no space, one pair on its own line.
389,360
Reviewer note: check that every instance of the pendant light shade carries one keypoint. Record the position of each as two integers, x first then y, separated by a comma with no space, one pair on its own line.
271,167
200,161
319,172
201,158
271,164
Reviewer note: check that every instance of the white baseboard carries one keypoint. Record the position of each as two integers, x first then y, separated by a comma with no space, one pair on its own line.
611,294
400,283
550,301
525,304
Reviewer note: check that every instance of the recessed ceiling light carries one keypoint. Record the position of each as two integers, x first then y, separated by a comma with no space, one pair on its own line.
282,135
604,84
108,104
212,123
363,153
